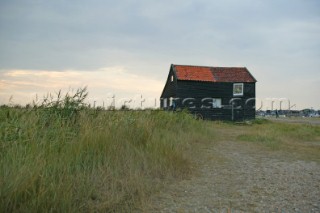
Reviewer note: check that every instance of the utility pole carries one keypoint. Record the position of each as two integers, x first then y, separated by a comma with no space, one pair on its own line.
272,105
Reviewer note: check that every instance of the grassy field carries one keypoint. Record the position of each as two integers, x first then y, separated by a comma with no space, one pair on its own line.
64,157
57,160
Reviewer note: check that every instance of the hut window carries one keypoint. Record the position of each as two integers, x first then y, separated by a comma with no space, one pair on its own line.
171,78
216,102
238,89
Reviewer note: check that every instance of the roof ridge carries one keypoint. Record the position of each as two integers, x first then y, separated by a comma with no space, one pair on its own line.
205,66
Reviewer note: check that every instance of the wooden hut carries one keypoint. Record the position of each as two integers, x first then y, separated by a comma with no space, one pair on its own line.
213,93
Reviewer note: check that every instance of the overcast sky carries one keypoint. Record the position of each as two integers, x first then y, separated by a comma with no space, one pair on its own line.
126,47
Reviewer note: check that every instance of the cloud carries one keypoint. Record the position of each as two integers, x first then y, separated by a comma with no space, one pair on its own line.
24,85
60,35
278,41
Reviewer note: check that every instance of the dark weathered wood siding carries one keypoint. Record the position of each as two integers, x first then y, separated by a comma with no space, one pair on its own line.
197,92
169,90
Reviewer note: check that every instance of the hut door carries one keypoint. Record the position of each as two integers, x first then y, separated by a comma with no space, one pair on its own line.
238,114
237,109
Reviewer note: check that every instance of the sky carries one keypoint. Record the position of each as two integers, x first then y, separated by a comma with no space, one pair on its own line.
125,48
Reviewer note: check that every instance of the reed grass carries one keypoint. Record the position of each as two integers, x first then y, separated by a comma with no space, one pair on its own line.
62,156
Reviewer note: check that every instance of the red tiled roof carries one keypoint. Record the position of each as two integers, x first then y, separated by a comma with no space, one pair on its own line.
213,74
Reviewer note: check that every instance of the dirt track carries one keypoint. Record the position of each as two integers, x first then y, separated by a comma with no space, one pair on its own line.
238,177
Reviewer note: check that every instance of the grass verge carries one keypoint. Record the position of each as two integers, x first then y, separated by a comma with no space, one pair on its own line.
300,139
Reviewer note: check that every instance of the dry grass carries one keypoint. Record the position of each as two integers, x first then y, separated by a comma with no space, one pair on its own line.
97,161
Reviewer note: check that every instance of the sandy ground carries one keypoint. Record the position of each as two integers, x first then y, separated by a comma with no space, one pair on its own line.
239,177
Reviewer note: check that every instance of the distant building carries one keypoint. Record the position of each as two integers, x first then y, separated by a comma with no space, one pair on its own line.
213,93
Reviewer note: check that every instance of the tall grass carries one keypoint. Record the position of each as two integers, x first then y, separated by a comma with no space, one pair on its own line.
62,156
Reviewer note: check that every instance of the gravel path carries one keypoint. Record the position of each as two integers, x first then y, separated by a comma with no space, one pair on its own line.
238,177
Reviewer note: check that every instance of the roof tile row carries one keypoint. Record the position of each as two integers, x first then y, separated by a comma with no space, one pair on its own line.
213,74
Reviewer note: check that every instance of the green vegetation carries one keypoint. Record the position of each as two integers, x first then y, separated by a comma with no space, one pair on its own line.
302,140
269,141
63,156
